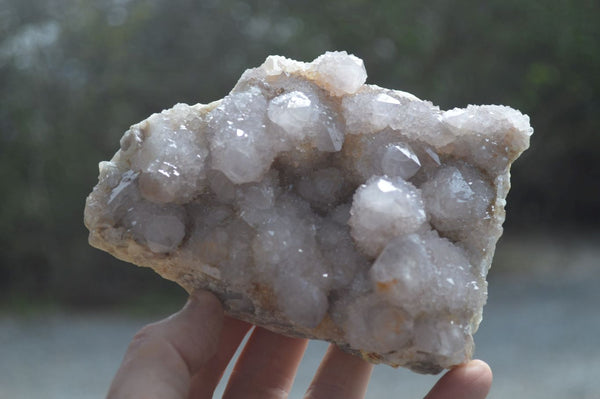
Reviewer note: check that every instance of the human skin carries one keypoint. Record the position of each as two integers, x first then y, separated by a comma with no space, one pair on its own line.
184,356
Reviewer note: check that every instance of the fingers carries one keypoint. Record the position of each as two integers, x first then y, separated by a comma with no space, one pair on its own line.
469,381
163,356
340,375
267,366
207,378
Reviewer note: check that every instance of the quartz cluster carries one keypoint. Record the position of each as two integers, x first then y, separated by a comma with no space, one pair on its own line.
318,206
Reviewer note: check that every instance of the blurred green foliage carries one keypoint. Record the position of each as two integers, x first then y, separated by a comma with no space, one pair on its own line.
74,74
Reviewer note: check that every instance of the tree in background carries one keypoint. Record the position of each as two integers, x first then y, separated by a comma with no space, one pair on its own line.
74,74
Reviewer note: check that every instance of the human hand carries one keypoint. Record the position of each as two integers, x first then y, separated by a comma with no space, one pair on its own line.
185,355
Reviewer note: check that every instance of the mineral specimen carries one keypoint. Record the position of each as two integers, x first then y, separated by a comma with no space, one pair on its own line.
318,206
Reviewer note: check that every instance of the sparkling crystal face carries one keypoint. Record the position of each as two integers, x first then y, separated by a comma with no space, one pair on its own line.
400,160
315,205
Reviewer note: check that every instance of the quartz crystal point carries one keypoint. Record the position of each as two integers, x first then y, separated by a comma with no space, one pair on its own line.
318,206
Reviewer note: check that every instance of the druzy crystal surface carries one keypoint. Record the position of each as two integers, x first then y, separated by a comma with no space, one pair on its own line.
318,206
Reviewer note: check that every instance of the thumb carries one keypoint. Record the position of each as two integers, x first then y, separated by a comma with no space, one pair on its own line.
163,356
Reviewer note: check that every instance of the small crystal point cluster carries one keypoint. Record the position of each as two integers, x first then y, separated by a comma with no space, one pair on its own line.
318,206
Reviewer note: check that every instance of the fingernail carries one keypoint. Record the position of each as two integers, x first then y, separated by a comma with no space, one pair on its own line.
477,365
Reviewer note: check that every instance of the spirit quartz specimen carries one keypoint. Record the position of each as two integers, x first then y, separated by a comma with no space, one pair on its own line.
318,206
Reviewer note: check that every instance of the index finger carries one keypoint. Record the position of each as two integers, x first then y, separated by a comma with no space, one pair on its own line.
163,357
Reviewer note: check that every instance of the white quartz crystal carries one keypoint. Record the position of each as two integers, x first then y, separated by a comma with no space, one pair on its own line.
400,160
382,209
318,206
339,72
